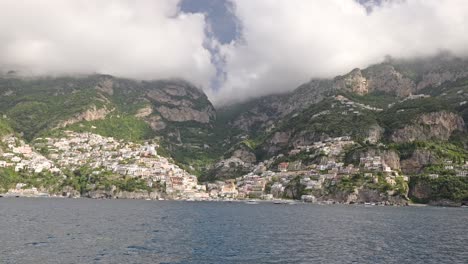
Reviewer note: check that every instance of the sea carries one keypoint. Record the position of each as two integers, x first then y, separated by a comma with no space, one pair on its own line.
55,230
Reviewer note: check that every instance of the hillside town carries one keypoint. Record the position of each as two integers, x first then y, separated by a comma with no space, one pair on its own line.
315,167
277,175
75,150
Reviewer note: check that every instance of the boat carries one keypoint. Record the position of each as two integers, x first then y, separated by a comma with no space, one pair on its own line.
251,202
160,199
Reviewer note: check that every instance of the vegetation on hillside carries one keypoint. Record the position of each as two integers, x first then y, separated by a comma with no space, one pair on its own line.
443,150
82,180
118,126
5,127
446,187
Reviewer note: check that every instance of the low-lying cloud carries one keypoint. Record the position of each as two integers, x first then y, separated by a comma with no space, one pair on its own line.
142,39
282,43
285,43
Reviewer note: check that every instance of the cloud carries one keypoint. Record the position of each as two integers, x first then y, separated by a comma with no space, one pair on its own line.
282,43
142,39
285,43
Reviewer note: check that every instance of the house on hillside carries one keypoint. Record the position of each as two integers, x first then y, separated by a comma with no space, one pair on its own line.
283,166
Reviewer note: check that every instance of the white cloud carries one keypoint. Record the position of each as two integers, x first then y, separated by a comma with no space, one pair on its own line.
142,39
285,43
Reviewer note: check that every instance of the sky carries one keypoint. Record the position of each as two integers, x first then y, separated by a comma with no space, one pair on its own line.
233,49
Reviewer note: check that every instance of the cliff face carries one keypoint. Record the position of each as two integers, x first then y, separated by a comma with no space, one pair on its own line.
164,101
431,126
447,191
383,78
421,191
402,78
178,101
365,195
436,78
386,78
353,81
418,160
90,114
241,161
183,114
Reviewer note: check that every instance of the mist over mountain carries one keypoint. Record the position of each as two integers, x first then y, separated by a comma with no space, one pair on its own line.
273,48
409,114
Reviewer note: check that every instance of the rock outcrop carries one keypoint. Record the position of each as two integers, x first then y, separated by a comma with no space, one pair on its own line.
374,134
182,114
385,78
244,155
90,114
353,81
418,160
278,141
144,112
177,101
431,126
365,195
156,123
106,85
242,161
382,77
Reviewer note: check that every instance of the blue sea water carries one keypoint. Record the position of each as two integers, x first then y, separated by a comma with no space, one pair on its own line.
136,231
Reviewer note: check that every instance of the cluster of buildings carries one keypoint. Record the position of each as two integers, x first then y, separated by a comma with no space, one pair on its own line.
374,163
75,150
460,170
269,179
20,156
353,107
250,186
331,146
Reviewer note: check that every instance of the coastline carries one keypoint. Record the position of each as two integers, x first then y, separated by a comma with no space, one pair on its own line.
7,196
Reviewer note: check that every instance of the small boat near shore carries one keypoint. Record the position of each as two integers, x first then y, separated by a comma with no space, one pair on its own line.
251,202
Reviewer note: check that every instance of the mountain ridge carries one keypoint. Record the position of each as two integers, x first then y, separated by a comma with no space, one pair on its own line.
392,106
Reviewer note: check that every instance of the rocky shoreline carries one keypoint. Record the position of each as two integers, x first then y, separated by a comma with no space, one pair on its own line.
158,197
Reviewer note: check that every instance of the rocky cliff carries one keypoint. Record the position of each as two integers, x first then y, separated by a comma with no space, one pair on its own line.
90,114
430,126
418,160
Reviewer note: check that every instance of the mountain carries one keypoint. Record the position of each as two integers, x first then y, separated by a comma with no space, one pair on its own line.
57,134
170,109
410,114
